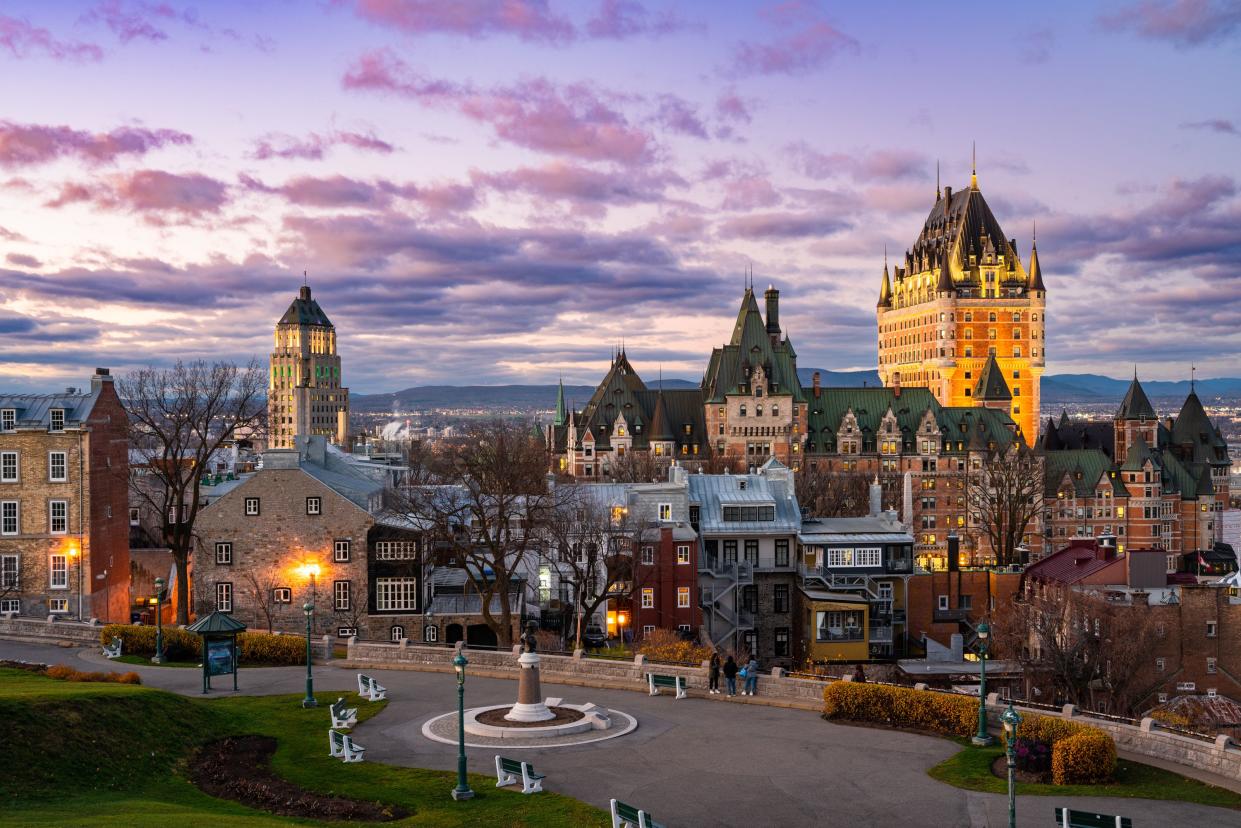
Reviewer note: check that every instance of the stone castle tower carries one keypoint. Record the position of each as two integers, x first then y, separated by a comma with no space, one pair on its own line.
962,316
304,392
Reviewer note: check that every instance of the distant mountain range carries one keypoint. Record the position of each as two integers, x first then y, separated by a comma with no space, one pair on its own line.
1057,388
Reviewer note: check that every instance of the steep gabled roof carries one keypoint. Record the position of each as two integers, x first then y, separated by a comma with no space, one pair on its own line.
1036,272
1136,405
305,311
751,346
1195,437
1138,454
991,384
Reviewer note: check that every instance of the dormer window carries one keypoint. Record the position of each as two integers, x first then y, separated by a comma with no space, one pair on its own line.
758,390
57,418
8,419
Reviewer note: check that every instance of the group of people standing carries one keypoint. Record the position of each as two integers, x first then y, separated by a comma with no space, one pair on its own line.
731,670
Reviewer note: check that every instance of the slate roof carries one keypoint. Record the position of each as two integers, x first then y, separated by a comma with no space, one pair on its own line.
1136,405
713,491
34,410
991,385
1194,437
1080,559
1084,468
305,311
1070,435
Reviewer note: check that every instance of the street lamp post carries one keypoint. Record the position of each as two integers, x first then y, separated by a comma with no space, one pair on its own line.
309,701
159,622
982,738
462,791
1011,718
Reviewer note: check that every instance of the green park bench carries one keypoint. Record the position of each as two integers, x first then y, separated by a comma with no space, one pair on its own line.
343,747
114,650
1088,819
657,681
370,689
627,816
507,771
343,716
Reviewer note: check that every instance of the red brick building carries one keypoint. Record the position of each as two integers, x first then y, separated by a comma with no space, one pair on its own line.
64,527
665,591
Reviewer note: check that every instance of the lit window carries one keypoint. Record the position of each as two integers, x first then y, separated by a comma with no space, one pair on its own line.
683,554
648,597
682,597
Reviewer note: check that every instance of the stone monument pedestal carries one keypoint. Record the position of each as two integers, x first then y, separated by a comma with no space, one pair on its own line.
530,706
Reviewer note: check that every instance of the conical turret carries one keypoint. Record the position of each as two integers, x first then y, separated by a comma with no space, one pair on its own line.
1036,273
885,289
560,408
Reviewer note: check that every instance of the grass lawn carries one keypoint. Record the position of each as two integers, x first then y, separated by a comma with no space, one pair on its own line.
114,755
971,769
146,661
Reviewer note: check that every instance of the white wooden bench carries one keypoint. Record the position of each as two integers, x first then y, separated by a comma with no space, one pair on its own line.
370,689
113,651
507,771
627,816
344,748
657,681
343,716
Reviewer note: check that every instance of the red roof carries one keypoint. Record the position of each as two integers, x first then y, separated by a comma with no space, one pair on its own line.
1081,558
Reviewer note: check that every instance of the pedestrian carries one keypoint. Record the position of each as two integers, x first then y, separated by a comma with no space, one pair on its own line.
730,675
714,674
751,676
859,675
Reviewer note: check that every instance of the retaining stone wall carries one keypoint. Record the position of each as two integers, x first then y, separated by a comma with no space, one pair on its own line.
41,629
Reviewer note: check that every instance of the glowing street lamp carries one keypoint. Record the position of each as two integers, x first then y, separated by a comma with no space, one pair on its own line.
462,791
75,556
159,621
982,738
1011,719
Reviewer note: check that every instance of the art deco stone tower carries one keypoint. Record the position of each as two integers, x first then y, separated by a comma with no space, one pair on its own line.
960,298
304,393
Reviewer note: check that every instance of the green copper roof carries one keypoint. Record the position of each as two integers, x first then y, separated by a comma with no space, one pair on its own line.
1195,436
1084,467
561,417
305,311
217,623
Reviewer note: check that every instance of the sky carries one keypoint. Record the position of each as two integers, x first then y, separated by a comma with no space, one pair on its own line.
498,191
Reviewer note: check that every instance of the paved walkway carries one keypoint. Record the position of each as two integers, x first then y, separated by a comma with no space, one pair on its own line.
691,762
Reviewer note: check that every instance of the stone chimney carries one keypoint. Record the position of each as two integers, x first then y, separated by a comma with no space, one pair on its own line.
876,497
896,385
773,311
102,376
817,389
954,551
947,199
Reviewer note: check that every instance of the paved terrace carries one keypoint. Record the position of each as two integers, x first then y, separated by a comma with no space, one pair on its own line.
692,762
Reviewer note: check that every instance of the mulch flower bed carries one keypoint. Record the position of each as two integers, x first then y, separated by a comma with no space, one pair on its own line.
239,768
564,715
999,768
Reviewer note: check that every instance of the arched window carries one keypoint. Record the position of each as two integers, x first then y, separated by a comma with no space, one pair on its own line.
775,410
431,633
398,632
758,409
742,411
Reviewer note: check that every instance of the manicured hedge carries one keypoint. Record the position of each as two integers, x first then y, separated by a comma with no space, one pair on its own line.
1080,753
901,707
253,648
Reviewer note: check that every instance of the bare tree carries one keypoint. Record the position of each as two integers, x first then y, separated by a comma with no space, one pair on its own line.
638,467
1078,646
590,544
180,418
259,588
1005,495
487,514
825,493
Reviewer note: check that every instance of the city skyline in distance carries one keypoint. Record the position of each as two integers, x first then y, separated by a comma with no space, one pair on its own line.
463,222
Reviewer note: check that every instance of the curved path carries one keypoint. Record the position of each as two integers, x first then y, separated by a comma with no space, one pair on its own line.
690,762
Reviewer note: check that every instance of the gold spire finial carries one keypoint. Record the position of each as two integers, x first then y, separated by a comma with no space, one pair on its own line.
974,165
938,193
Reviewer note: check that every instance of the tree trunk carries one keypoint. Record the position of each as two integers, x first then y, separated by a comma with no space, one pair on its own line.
182,560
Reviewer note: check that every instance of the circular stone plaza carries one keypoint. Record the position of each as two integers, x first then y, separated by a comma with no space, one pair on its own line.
689,762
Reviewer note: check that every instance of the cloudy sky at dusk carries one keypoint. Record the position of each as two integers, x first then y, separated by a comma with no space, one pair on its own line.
496,191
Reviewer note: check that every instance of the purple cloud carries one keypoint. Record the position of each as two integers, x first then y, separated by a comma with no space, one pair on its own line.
730,106
676,114
341,191
23,145
22,260
149,191
591,191
808,43
782,226
574,119
620,19
1183,23
126,23
881,165
530,20
1214,125
748,192
315,145
21,39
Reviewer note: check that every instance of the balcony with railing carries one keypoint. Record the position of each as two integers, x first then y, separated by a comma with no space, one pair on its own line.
881,633
839,634
944,616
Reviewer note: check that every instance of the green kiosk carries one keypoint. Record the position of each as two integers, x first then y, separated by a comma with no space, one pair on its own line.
219,633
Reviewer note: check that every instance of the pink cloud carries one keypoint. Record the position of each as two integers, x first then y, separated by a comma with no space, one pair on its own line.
22,260
126,24
582,185
810,42
619,19
24,145
1184,23
749,192
679,115
573,119
881,165
315,145
340,191
730,106
21,39
782,225
149,191
529,20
